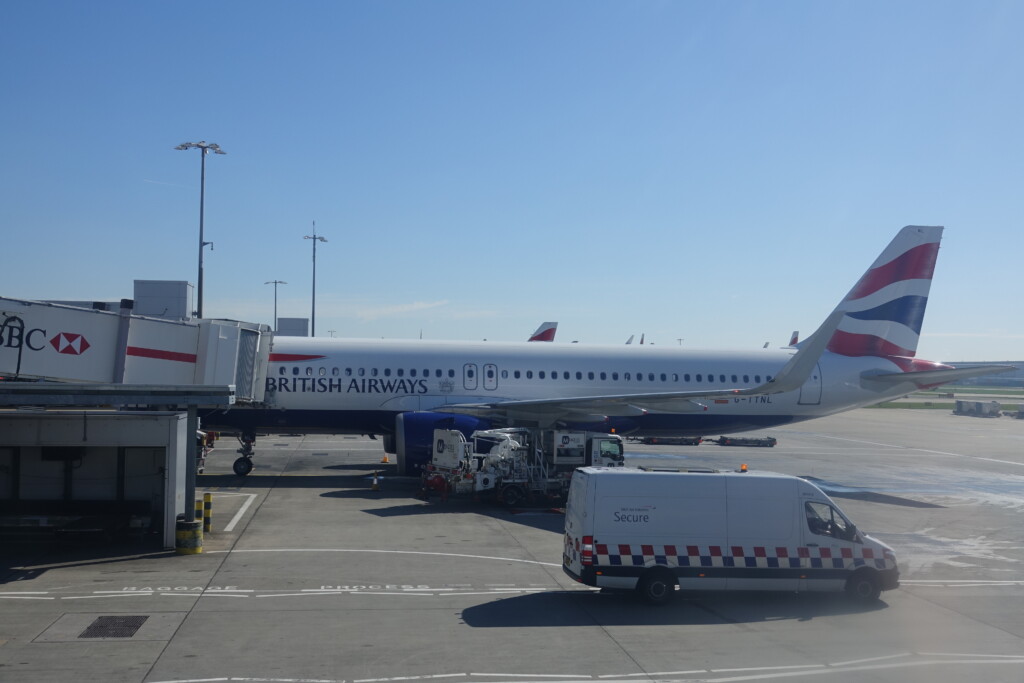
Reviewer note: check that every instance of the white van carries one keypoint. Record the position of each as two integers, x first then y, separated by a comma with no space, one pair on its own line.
631,529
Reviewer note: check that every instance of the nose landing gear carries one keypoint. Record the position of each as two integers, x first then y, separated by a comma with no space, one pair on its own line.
243,465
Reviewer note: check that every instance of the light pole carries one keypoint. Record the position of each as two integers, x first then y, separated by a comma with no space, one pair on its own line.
275,283
316,238
204,147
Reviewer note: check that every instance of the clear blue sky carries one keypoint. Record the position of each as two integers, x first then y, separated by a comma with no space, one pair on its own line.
720,172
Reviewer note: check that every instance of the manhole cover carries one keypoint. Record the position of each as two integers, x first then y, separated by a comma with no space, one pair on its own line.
114,627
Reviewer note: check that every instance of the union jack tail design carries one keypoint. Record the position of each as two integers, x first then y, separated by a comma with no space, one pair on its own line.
885,309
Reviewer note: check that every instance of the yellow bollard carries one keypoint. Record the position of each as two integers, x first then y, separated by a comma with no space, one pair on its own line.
207,513
188,538
199,510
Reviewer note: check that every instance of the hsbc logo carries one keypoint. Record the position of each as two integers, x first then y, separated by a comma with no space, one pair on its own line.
69,343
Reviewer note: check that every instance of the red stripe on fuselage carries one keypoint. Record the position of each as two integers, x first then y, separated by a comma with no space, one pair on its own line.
292,357
159,354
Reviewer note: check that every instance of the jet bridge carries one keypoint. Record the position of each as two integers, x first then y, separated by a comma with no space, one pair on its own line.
54,342
59,356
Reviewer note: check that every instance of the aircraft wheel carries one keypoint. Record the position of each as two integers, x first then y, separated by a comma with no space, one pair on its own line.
242,466
657,586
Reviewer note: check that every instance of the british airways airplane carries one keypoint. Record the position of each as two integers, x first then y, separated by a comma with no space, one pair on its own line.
863,353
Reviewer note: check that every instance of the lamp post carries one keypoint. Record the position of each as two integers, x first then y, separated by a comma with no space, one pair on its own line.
275,283
204,147
316,238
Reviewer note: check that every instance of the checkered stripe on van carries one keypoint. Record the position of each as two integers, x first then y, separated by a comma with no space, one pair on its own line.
735,556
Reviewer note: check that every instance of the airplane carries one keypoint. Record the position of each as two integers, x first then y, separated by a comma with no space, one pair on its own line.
862,354
546,333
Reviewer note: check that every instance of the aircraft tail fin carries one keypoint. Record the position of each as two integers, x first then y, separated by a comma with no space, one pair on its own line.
546,332
884,310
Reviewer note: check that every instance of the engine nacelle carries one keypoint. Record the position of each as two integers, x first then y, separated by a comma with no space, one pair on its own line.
414,437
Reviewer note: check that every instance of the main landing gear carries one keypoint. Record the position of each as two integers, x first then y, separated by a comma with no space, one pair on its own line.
243,465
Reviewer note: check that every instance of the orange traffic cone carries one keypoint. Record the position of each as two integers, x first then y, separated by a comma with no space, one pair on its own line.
384,460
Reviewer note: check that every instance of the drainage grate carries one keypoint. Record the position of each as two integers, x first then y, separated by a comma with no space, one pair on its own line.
114,627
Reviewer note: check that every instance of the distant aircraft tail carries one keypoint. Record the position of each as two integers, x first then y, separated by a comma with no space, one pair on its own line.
884,310
546,332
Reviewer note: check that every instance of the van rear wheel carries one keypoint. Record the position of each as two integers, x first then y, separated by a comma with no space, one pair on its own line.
657,586
863,587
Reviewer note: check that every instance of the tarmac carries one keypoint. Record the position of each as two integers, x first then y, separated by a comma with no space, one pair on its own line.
309,574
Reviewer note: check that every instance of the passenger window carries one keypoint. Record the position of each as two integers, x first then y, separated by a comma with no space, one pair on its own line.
721,378
323,371
590,375
335,372
686,377
412,373
625,376
603,376
615,376
295,371
746,379
700,378
387,372
401,372
565,374
451,373
373,372
361,372
734,380
529,374
541,374
283,371
309,372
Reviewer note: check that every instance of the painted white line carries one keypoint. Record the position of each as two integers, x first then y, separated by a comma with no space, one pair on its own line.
872,659
559,676
768,668
24,597
407,678
111,595
925,450
24,592
391,552
241,511
972,654
657,673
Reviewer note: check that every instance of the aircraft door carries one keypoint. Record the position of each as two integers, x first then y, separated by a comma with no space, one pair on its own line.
490,376
469,376
810,391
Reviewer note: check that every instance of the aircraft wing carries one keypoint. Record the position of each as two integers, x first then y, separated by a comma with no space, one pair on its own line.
931,378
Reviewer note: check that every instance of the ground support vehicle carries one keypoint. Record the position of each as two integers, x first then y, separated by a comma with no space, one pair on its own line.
514,465
751,442
649,531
